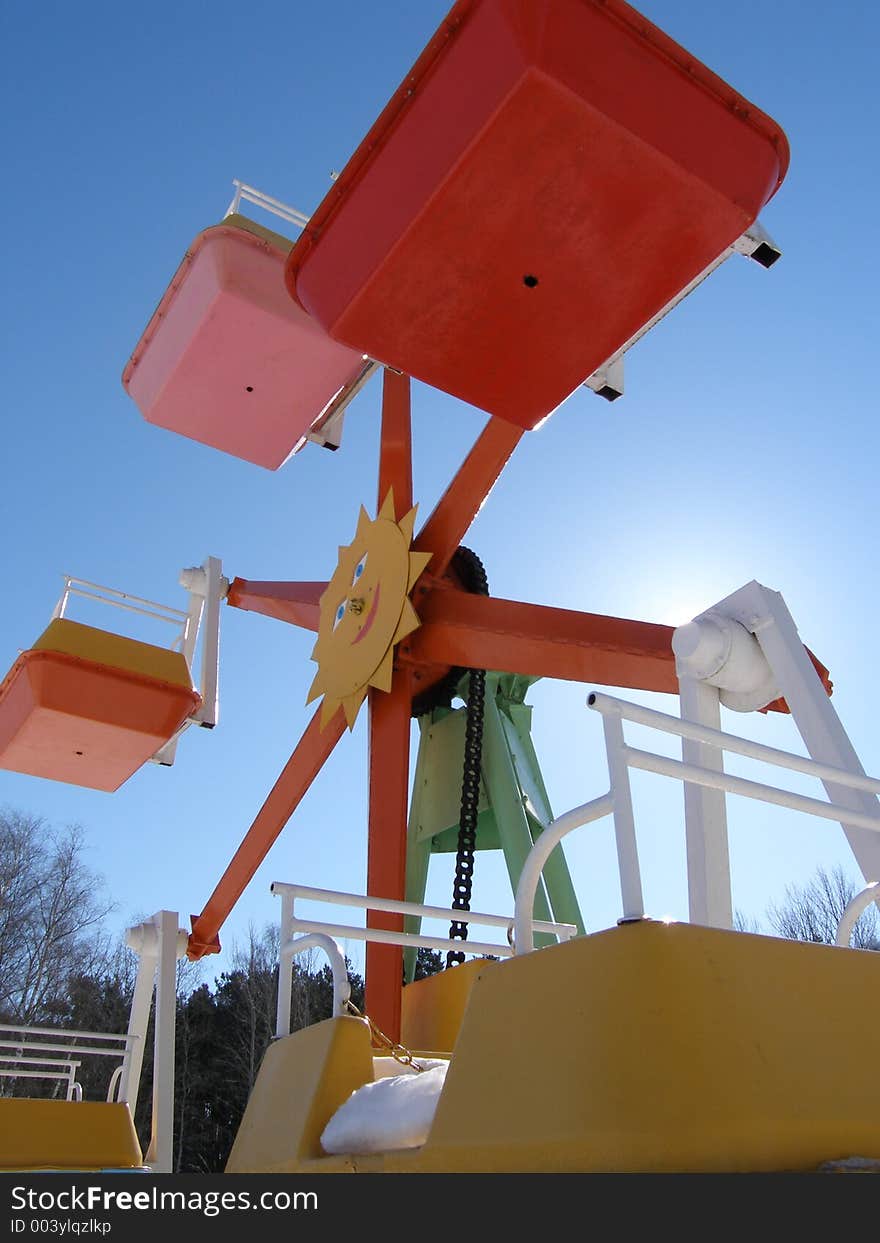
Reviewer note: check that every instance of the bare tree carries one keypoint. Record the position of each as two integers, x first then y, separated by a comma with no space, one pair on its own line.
813,912
51,916
254,980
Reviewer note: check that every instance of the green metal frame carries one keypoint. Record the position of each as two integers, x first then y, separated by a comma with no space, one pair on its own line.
513,809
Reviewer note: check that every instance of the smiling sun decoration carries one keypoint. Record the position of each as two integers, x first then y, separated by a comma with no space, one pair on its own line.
365,612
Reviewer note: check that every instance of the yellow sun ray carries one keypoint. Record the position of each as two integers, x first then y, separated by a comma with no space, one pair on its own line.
365,611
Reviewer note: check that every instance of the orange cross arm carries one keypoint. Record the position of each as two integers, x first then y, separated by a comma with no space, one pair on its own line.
484,632
297,775
462,500
290,602
488,633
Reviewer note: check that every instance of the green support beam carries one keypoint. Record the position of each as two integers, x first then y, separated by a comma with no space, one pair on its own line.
514,808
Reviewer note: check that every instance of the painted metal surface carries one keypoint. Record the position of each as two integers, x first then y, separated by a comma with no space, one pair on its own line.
648,1048
294,780
513,809
89,708
228,360
389,744
507,281
66,1135
302,1081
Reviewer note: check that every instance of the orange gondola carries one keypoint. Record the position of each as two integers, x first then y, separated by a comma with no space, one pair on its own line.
228,360
549,176
89,708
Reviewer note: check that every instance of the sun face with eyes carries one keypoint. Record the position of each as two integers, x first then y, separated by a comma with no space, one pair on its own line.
365,612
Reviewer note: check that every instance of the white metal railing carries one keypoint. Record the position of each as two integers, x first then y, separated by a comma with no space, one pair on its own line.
123,600
158,944
321,934
22,1042
251,194
207,588
854,908
338,969
618,803
22,1068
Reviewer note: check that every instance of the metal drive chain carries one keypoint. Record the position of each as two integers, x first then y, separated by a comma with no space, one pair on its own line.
470,798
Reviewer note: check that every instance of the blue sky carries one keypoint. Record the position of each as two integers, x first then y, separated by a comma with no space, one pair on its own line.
745,446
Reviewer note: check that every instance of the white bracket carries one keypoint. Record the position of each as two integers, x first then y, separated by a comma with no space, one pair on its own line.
744,653
207,588
756,243
326,430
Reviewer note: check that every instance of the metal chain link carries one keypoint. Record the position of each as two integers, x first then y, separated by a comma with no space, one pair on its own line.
399,1052
470,799
471,565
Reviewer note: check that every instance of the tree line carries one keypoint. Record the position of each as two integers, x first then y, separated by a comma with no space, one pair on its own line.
59,967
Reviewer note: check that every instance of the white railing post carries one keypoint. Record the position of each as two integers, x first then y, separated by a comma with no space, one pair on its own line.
524,924
705,814
624,822
160,1154
338,970
61,607
143,940
854,908
216,587
285,969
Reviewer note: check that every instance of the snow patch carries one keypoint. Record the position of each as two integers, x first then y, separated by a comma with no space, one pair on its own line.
395,1111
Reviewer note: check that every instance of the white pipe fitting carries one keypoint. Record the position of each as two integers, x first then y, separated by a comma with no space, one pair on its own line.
719,650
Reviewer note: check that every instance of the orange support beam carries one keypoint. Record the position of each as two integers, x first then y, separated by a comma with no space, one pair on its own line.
395,451
481,632
478,632
462,500
299,772
291,602
390,721
389,741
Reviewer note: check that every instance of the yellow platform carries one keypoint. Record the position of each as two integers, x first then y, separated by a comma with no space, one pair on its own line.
66,1135
115,651
646,1048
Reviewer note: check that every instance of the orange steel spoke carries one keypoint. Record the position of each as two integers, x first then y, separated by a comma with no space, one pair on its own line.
299,772
386,851
395,452
290,602
484,632
460,503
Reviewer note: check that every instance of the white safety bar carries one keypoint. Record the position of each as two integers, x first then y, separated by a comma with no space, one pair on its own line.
854,908
122,600
291,924
207,587
24,1041
341,983
618,801
63,1070
251,195
158,944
